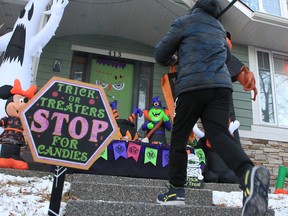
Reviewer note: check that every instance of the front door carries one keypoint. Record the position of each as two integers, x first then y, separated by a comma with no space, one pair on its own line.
116,77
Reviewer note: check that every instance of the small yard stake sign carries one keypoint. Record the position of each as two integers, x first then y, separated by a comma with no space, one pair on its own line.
67,124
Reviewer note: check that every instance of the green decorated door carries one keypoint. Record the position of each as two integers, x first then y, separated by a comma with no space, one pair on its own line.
116,77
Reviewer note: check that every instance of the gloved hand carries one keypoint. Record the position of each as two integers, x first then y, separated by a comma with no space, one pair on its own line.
137,111
150,125
113,105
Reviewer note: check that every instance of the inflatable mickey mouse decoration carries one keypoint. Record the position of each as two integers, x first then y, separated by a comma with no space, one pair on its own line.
12,138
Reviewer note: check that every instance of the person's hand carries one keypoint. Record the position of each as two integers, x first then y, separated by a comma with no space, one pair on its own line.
250,83
247,80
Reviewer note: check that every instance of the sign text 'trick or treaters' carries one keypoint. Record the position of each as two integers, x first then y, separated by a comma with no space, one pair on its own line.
68,123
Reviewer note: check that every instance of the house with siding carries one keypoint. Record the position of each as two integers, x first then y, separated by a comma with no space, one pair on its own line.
124,32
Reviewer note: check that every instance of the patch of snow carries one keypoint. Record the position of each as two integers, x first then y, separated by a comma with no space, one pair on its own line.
277,202
25,196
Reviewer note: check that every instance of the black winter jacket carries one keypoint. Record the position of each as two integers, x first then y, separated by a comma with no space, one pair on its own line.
200,42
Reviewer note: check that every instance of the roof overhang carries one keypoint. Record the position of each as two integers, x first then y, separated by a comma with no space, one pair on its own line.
255,28
147,21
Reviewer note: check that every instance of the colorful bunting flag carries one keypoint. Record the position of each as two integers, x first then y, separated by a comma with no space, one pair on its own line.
104,154
133,151
119,150
200,154
150,155
165,158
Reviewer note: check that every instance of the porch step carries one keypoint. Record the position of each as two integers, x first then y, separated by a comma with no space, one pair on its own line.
112,208
144,181
113,195
133,193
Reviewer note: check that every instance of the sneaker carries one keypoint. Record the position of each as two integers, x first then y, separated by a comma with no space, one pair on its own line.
174,196
255,192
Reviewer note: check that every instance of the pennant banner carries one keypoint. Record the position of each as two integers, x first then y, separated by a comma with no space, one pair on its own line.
119,150
165,158
133,151
136,150
151,156
200,154
104,154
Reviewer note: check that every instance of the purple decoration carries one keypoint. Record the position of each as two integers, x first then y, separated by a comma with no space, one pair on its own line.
165,158
112,63
119,150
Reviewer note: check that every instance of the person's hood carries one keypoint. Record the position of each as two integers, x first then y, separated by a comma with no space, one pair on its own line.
210,6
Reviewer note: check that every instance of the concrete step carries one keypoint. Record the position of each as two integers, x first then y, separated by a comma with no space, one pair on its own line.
144,182
134,193
114,179
113,195
110,208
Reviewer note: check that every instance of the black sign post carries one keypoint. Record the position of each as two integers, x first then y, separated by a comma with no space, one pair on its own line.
68,124
57,189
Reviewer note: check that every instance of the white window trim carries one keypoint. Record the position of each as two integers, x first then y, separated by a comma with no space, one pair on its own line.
283,8
258,130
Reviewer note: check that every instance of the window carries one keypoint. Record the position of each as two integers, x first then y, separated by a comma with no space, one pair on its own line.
267,6
79,68
273,81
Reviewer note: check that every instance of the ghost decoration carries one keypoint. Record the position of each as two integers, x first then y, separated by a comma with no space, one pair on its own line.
26,41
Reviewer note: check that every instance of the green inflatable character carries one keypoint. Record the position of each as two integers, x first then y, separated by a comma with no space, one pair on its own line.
158,121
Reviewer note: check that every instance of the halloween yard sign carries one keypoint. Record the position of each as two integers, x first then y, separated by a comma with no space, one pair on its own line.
68,123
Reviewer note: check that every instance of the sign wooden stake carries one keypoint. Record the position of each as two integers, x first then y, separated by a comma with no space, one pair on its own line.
56,195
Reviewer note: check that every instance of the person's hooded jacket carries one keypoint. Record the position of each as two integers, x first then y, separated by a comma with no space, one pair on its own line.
200,42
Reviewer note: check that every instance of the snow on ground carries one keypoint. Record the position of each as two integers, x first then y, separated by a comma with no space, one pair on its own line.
29,196
277,202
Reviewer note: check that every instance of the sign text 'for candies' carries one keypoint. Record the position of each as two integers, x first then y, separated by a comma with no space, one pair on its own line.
68,123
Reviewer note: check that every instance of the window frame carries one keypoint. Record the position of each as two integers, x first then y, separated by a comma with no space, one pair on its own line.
283,8
271,63
261,130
